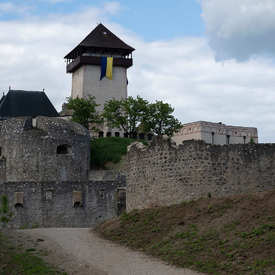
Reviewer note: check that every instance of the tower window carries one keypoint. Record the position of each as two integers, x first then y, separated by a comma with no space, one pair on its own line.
63,149
244,139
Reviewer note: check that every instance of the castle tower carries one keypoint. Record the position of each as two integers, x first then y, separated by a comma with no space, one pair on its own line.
84,62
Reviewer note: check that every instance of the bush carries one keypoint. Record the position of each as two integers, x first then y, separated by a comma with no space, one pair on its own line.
108,149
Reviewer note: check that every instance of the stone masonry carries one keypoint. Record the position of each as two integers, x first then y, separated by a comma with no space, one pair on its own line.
45,174
164,174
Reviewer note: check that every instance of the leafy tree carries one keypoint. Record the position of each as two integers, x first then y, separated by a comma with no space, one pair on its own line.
84,111
125,114
159,119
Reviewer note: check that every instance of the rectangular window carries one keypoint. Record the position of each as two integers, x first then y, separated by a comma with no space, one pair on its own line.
228,139
244,139
212,138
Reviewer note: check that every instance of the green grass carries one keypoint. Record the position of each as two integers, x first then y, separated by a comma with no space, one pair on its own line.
15,260
217,236
108,149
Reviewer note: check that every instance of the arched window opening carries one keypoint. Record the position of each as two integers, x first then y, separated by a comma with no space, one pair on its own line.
101,134
109,134
117,134
63,149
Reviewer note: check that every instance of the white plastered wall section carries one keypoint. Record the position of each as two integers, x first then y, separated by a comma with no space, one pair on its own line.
86,82
203,131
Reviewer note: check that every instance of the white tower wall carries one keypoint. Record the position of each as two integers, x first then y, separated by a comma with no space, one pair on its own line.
86,82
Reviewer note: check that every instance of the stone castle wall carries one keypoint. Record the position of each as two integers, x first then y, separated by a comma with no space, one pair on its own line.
30,149
45,174
164,174
62,204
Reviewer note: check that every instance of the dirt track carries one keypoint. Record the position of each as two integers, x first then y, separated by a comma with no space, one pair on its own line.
80,251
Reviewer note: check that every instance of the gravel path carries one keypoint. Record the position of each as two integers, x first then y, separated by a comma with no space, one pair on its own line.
80,251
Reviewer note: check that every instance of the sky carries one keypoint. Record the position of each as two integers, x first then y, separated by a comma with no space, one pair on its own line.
212,60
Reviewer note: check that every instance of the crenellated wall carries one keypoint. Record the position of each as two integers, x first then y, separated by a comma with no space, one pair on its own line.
164,174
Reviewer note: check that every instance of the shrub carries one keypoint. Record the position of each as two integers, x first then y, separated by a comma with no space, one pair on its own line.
108,149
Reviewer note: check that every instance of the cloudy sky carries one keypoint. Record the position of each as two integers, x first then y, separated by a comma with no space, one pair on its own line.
212,60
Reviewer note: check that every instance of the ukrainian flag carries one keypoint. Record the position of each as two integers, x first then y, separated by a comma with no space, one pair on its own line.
106,67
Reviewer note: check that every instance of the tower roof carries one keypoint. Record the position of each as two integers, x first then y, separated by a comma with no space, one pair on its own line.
100,38
26,103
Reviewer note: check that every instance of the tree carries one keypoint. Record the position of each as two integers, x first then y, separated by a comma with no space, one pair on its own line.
125,114
84,111
159,119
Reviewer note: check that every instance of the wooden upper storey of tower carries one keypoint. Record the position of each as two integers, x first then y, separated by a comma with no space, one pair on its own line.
100,42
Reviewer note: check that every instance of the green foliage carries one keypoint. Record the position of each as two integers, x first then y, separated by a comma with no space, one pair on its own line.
5,215
159,119
108,149
84,111
125,114
15,261
134,115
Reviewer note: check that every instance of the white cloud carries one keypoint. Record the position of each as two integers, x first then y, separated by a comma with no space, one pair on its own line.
240,29
112,7
7,8
182,72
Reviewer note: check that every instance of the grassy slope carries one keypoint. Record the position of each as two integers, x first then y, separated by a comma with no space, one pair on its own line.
234,235
108,149
15,260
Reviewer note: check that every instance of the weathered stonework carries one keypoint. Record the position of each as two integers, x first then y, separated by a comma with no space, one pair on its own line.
45,174
51,204
30,149
164,174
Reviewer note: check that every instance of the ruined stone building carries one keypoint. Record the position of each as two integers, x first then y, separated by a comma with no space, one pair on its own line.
45,167
216,133
44,172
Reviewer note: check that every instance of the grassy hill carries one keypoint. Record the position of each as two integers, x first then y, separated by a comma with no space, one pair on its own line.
234,235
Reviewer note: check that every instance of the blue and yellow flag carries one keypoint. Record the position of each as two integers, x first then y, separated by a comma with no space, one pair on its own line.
106,67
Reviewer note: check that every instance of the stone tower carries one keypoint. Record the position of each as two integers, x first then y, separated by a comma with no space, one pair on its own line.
84,62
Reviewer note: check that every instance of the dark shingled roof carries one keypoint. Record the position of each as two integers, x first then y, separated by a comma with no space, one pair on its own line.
26,103
100,38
